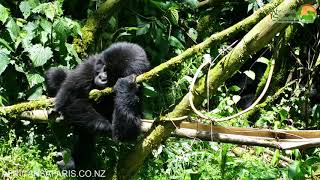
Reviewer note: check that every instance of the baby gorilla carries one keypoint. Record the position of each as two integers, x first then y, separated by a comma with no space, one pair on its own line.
118,113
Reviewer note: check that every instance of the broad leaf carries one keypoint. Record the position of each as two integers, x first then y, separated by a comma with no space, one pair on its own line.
34,79
46,25
173,41
236,98
35,93
192,3
250,74
193,34
263,60
4,14
46,8
143,30
39,55
235,88
4,61
25,8
13,29
62,29
5,44
73,52
174,16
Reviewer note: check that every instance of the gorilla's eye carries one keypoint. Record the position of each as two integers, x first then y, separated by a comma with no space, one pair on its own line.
99,66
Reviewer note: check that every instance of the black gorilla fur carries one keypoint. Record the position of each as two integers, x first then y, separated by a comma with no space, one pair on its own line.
118,113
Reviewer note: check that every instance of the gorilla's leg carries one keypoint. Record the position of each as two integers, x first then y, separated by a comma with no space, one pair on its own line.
84,150
83,153
126,120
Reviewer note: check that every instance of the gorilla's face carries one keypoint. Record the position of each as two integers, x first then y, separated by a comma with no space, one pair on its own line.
101,77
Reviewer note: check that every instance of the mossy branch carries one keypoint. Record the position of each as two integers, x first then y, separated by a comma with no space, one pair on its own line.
104,12
244,25
16,110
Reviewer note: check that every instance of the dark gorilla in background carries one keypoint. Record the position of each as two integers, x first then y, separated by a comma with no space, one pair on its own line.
118,114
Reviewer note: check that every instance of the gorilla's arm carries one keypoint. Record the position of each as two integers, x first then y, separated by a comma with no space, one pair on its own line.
126,120
80,112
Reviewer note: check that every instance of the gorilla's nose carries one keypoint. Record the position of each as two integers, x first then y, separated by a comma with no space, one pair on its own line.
103,77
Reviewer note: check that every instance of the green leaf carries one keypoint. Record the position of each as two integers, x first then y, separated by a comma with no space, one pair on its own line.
143,30
19,68
295,170
236,98
75,27
235,88
25,8
36,93
250,74
39,55
50,12
62,29
192,3
283,114
47,9
73,52
193,34
173,41
112,23
30,27
27,34
161,5
33,3
174,16
34,79
123,34
46,25
263,60
44,37
13,29
4,61
5,44
4,14
276,157
148,90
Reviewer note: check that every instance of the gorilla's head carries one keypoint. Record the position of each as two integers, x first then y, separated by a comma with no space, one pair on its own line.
101,75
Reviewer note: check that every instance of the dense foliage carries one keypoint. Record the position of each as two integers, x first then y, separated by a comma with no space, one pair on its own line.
38,34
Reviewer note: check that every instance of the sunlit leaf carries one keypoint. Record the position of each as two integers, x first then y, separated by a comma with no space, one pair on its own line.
25,8
4,14
4,61
250,74
35,94
276,157
235,88
13,29
174,16
263,60
39,55
173,41
34,79
193,34
236,98
5,44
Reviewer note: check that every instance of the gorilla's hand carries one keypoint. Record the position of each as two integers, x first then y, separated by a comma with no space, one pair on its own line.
126,85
